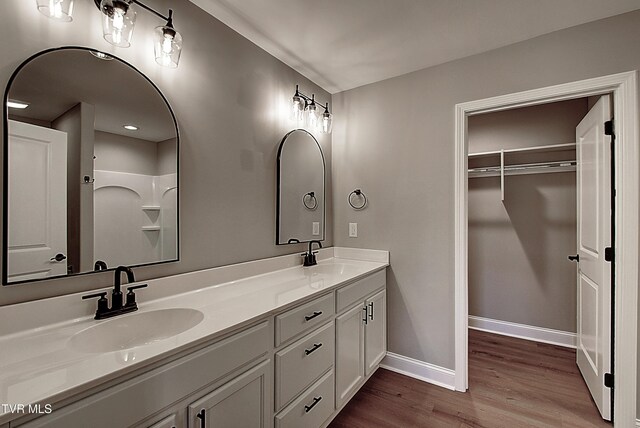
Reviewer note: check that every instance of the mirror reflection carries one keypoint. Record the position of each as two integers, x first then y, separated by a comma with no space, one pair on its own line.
91,167
301,203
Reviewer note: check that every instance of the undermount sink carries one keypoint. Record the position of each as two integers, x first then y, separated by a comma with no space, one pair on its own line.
331,269
134,330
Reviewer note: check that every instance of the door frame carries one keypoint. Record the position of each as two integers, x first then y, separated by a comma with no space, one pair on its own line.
623,86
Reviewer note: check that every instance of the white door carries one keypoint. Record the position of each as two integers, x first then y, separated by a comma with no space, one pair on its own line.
37,210
593,235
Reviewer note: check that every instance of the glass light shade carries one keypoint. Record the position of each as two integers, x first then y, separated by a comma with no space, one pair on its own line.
167,46
118,21
327,122
60,10
297,108
312,115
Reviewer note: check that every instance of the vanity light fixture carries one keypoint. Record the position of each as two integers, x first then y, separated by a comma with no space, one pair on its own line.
119,20
59,10
130,127
305,109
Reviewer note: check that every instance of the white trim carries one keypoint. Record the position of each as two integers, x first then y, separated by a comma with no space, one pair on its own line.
625,96
523,331
417,369
637,423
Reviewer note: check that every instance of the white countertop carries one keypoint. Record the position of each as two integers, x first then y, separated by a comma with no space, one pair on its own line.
38,365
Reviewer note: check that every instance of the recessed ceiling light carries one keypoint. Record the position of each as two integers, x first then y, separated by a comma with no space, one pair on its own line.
131,127
101,55
17,104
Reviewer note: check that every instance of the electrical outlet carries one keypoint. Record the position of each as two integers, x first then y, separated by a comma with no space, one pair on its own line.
316,228
353,230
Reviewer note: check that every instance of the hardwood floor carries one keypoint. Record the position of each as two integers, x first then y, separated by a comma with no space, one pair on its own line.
513,383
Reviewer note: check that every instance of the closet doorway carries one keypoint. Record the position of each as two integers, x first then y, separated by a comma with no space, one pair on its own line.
533,173
623,88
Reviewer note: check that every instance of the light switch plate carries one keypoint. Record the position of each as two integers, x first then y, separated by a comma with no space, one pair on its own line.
316,228
353,230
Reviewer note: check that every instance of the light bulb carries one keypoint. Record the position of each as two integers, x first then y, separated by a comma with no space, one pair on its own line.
118,21
312,114
59,10
327,121
167,45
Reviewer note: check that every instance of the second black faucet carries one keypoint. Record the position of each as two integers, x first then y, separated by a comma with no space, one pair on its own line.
117,306
310,256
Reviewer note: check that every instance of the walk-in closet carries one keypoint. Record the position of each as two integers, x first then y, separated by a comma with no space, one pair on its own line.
523,217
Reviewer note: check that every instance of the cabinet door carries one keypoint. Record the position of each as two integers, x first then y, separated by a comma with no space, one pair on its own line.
349,352
375,331
243,402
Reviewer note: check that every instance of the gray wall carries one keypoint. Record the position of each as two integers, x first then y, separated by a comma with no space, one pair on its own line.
125,154
395,140
518,267
230,99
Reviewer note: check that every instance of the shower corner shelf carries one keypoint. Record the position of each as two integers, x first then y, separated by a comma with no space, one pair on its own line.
150,208
504,169
151,228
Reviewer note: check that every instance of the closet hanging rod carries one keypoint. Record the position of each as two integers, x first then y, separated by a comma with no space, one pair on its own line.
550,147
529,168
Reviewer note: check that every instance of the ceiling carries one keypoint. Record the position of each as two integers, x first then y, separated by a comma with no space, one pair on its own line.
343,44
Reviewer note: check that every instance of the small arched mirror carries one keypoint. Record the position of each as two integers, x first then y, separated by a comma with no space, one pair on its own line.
90,167
301,196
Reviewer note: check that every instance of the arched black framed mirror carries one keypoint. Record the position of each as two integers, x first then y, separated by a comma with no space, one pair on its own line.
91,151
301,189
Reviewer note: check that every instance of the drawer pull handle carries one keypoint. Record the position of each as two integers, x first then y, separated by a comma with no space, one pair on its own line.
316,400
366,312
202,416
310,317
315,347
371,314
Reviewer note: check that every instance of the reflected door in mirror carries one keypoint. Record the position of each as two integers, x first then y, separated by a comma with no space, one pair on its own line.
37,202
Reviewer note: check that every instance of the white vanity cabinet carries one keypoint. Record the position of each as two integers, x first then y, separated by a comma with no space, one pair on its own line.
132,402
288,369
361,334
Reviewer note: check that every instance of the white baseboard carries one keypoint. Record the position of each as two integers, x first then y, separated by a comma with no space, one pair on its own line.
522,331
417,369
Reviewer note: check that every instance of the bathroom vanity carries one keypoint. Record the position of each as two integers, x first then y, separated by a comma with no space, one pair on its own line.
260,344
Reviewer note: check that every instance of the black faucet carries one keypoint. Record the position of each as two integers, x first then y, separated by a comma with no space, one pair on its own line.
100,265
310,256
117,307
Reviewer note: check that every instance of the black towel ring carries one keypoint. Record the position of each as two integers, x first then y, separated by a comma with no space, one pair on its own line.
360,194
310,201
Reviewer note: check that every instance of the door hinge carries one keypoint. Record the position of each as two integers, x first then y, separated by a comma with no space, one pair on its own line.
608,254
608,127
608,380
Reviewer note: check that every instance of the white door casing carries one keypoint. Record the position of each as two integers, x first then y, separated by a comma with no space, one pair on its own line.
624,88
37,202
593,353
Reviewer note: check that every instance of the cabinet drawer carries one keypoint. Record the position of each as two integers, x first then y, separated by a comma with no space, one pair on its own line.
299,364
304,317
312,408
360,289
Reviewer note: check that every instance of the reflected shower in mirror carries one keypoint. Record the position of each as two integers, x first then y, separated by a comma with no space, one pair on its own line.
90,167
301,204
